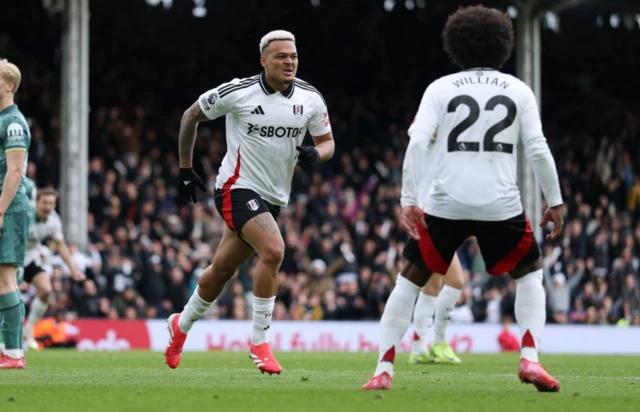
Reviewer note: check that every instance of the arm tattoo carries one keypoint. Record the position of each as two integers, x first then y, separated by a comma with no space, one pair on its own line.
267,223
187,135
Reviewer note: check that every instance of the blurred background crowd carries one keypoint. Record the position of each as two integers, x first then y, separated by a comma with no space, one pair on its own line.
342,229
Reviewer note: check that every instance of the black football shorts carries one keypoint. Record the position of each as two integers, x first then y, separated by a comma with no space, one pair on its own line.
238,206
504,244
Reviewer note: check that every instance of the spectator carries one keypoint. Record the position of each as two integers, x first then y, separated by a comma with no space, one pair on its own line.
86,300
508,341
559,291
631,300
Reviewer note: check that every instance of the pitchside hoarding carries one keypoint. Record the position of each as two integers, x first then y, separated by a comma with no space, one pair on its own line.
340,336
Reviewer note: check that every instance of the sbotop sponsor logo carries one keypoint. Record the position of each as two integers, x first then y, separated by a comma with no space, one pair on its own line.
274,131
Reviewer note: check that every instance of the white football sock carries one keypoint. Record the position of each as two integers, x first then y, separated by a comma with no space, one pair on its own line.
422,320
36,311
262,310
530,308
395,322
14,353
193,310
445,303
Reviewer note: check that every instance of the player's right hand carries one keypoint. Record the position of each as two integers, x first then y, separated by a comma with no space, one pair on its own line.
412,216
554,215
308,156
189,180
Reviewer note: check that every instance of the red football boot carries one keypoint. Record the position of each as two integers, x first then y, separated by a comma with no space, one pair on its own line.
11,363
378,383
173,353
263,358
532,372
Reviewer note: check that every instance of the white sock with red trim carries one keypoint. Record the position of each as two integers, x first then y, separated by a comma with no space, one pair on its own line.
422,319
445,303
530,308
395,322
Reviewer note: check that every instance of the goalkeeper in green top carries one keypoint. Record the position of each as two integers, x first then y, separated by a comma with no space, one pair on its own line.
30,188
15,214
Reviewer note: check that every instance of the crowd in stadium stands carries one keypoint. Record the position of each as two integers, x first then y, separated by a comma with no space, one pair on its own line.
342,228
342,231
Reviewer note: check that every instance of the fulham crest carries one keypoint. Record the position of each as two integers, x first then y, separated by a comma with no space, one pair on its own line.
253,204
297,110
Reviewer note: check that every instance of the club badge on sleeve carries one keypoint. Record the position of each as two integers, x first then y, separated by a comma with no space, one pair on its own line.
212,98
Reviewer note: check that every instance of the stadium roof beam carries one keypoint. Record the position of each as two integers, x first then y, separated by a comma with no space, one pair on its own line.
75,121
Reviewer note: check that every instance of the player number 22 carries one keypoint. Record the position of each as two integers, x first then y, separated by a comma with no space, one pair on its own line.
488,145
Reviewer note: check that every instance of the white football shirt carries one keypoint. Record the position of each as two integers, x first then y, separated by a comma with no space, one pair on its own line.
477,117
263,128
40,231
427,173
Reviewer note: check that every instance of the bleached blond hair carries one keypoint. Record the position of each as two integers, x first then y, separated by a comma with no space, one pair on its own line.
10,73
274,36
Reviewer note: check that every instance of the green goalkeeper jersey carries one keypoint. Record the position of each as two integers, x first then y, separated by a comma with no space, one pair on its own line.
14,135
30,190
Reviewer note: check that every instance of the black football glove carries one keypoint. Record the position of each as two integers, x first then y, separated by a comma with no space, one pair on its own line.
187,185
308,156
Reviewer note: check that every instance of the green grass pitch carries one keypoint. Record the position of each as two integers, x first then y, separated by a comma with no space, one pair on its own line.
63,380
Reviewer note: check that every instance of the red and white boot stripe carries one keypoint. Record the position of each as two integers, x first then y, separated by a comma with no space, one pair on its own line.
259,363
262,357
381,382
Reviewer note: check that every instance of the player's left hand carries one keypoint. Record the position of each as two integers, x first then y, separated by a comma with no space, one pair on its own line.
554,215
412,216
78,276
308,156
189,180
